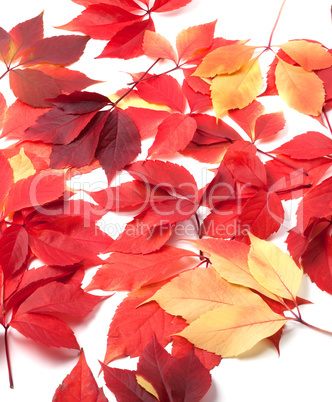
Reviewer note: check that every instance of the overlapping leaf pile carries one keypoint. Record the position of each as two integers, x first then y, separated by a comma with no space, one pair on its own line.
208,313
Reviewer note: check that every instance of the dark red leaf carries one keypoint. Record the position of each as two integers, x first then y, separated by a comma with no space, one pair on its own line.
80,102
58,127
119,143
82,150
32,86
124,385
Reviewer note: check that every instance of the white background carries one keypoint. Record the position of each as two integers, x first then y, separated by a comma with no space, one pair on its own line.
302,372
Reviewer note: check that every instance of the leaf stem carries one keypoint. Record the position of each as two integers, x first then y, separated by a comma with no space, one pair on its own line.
199,232
280,160
136,83
158,75
327,120
301,321
275,24
11,383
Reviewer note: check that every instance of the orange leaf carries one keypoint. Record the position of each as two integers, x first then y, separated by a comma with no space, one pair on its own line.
300,89
236,90
309,55
156,46
225,60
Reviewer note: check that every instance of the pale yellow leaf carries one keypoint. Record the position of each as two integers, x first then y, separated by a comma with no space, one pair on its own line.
237,90
230,331
146,385
230,260
22,166
302,90
133,100
309,55
225,60
275,270
198,291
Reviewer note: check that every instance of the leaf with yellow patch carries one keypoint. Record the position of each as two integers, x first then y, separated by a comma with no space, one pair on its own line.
275,270
230,331
147,386
22,166
309,55
302,90
186,297
225,60
230,260
236,90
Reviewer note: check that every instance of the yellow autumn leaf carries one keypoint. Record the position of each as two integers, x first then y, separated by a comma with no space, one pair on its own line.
225,60
230,331
133,100
275,270
302,90
146,385
230,260
22,166
185,296
309,55
236,90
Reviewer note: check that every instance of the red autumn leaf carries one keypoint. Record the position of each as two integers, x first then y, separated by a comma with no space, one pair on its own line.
33,279
161,89
175,178
132,327
128,5
262,214
6,177
181,347
32,86
190,42
45,329
156,46
211,130
246,117
245,165
36,190
101,21
325,76
269,124
161,6
311,145
79,385
57,297
316,203
24,35
173,134
65,240
147,120
3,110
81,151
119,143
67,80
57,127
130,272
127,43
123,384
14,249
196,83
80,102
173,379
196,100
14,127
62,50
